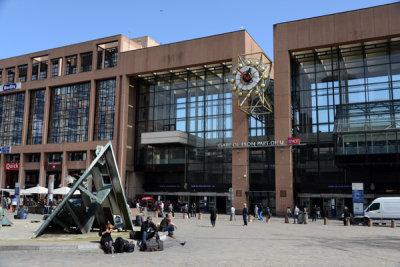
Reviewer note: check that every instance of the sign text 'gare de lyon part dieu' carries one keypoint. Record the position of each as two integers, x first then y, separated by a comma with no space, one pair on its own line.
272,143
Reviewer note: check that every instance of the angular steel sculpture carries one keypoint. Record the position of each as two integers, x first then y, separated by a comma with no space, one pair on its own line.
95,208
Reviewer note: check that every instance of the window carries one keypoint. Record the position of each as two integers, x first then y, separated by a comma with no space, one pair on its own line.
11,119
36,117
77,156
56,67
22,73
69,113
10,75
86,61
39,67
54,157
1,76
34,157
107,55
71,65
375,206
35,71
105,109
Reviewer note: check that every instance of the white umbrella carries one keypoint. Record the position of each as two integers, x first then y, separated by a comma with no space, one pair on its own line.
36,190
64,191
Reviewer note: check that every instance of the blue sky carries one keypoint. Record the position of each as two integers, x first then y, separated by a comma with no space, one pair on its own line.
33,25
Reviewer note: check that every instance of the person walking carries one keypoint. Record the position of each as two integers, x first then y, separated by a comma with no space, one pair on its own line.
255,211
245,214
186,210
171,209
260,210
213,216
314,215
233,215
296,214
268,214
289,212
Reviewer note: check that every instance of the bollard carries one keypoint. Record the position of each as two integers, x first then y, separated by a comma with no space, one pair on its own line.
200,216
286,219
347,221
325,221
393,225
267,220
249,218
370,224
185,216
156,214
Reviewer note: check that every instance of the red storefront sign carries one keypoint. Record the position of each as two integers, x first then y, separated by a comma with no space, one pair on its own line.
11,166
293,141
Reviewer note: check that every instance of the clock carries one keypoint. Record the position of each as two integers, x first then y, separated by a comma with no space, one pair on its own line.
249,77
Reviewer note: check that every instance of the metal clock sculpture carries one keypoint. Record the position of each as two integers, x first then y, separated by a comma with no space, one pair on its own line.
250,80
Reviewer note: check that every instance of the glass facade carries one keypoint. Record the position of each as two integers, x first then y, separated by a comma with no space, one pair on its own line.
198,102
86,61
344,95
11,119
105,110
36,116
69,113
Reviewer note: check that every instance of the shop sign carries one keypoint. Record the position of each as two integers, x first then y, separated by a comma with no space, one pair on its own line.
358,198
11,166
11,86
53,166
267,143
5,150
293,141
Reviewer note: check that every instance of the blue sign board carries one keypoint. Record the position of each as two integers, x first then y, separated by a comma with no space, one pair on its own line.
11,86
358,198
4,150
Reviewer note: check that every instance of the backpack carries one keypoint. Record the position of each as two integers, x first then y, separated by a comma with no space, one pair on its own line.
120,245
153,245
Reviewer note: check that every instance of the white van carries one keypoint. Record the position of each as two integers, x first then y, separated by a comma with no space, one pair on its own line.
383,210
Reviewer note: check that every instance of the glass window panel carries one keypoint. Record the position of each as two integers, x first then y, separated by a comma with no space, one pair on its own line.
395,52
376,54
378,74
351,57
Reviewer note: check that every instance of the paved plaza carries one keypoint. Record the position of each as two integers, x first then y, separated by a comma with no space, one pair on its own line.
228,244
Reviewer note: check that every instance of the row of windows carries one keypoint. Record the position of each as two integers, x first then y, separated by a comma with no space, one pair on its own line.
69,114
325,78
106,58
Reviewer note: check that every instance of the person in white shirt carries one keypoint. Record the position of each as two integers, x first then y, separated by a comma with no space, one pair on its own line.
233,216
296,214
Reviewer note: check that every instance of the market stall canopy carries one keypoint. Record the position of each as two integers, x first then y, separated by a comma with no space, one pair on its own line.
36,190
64,190
94,208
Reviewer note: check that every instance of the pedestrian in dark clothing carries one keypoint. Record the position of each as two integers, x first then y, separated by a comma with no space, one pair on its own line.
106,240
213,216
146,231
139,219
245,214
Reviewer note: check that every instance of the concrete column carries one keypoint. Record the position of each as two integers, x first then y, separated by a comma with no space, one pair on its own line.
121,123
21,171
42,171
26,118
283,125
64,170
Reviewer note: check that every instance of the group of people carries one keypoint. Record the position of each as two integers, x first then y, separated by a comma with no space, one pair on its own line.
148,230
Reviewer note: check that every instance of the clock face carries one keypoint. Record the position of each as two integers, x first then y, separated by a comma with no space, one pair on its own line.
247,77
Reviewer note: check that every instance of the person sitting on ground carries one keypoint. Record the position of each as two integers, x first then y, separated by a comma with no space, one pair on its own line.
106,240
167,225
139,219
146,231
22,213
